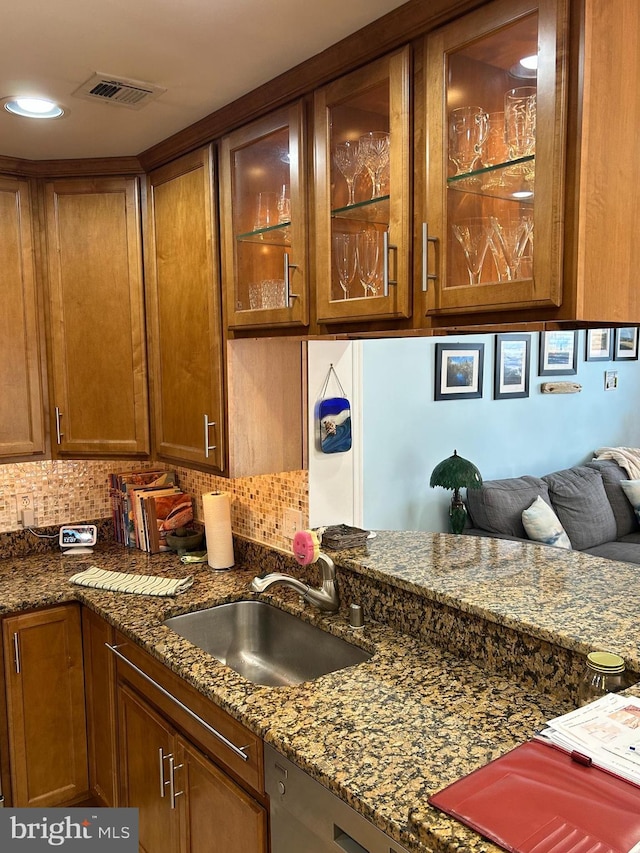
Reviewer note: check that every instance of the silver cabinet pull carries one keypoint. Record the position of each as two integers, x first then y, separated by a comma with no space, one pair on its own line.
59,433
386,248
240,751
172,781
426,275
16,651
207,426
288,296
163,782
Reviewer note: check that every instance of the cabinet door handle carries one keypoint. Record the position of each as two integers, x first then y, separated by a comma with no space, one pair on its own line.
426,275
207,426
59,433
386,248
240,751
161,758
288,296
16,651
172,781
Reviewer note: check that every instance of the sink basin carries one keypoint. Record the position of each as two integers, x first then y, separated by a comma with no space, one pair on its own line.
266,645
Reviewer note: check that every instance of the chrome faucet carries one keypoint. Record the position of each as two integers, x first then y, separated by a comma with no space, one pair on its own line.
324,598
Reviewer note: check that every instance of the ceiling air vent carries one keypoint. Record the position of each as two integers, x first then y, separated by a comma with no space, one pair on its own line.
133,94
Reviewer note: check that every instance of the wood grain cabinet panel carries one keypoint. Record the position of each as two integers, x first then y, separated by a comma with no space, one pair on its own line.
45,706
21,401
96,318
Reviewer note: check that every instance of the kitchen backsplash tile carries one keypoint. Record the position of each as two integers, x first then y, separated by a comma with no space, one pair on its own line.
77,490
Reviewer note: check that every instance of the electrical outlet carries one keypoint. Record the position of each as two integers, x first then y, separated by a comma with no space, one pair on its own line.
292,522
25,509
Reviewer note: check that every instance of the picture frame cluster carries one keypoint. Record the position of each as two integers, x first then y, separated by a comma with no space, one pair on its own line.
459,367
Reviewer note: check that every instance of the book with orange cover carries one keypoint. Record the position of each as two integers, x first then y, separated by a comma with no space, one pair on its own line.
541,797
164,514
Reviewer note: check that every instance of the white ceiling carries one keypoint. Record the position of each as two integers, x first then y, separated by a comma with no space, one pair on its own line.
205,53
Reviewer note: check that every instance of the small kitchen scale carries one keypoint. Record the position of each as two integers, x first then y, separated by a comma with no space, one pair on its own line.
78,538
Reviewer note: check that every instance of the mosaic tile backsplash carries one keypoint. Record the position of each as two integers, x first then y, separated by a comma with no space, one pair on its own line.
74,491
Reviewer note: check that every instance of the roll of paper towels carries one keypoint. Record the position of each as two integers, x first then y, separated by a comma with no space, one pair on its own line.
217,526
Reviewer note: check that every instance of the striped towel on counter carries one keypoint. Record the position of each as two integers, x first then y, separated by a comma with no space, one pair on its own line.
123,582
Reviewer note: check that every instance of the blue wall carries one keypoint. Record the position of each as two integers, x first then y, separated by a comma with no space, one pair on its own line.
406,433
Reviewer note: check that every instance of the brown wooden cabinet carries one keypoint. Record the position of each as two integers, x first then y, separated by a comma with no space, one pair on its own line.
188,785
495,133
362,208
184,317
21,401
45,706
263,220
98,376
100,700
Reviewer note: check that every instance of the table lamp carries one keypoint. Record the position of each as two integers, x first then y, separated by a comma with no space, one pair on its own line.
456,473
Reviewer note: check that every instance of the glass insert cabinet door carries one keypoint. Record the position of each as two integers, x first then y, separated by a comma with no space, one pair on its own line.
494,176
263,208
362,193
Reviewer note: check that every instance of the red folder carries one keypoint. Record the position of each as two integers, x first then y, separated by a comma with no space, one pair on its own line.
538,798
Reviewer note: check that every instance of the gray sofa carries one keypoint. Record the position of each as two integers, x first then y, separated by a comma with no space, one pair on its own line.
588,500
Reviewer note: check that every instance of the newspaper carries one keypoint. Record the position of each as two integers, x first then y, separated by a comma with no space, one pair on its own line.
606,731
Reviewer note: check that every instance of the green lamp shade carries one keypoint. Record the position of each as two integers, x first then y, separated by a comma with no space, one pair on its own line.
456,473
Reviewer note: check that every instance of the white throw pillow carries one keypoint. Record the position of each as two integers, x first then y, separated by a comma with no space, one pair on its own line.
631,488
543,525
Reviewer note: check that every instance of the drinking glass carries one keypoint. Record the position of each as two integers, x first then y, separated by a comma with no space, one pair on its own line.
512,233
344,252
347,159
520,121
473,236
273,293
468,127
284,205
266,210
374,156
368,259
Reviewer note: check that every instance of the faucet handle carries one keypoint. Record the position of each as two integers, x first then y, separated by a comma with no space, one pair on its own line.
306,547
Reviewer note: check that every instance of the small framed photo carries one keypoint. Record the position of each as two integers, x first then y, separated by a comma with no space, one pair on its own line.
610,380
626,345
459,371
599,345
558,353
511,367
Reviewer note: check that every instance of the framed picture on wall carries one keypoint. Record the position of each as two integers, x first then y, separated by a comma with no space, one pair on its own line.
599,345
626,346
459,371
511,367
558,353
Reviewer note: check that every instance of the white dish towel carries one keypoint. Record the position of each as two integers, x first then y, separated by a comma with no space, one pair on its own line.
123,582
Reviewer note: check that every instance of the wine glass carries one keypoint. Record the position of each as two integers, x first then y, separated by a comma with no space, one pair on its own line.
473,236
347,159
468,128
512,234
368,258
374,156
344,252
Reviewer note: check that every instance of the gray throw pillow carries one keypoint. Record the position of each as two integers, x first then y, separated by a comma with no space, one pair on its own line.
580,501
497,505
612,475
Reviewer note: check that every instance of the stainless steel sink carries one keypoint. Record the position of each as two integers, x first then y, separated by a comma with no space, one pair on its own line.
266,645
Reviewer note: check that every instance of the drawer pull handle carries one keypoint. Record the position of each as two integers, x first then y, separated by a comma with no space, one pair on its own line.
172,781
240,751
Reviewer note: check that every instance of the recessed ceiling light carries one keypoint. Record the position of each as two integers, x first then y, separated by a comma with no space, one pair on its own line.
33,108
527,66
530,62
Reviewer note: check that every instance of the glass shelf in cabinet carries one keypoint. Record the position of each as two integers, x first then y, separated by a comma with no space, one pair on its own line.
272,235
512,180
374,210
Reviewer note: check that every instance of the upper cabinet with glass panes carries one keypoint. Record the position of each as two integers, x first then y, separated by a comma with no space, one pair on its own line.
263,222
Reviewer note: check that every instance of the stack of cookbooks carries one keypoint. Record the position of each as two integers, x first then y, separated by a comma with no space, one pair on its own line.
145,506
575,786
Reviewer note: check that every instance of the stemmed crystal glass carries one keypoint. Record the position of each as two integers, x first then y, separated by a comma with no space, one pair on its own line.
374,156
344,252
348,160
468,128
512,233
473,236
368,259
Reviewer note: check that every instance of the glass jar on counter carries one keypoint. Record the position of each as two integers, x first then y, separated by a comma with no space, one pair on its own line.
604,673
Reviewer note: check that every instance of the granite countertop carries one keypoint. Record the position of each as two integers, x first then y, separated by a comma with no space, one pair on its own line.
388,733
